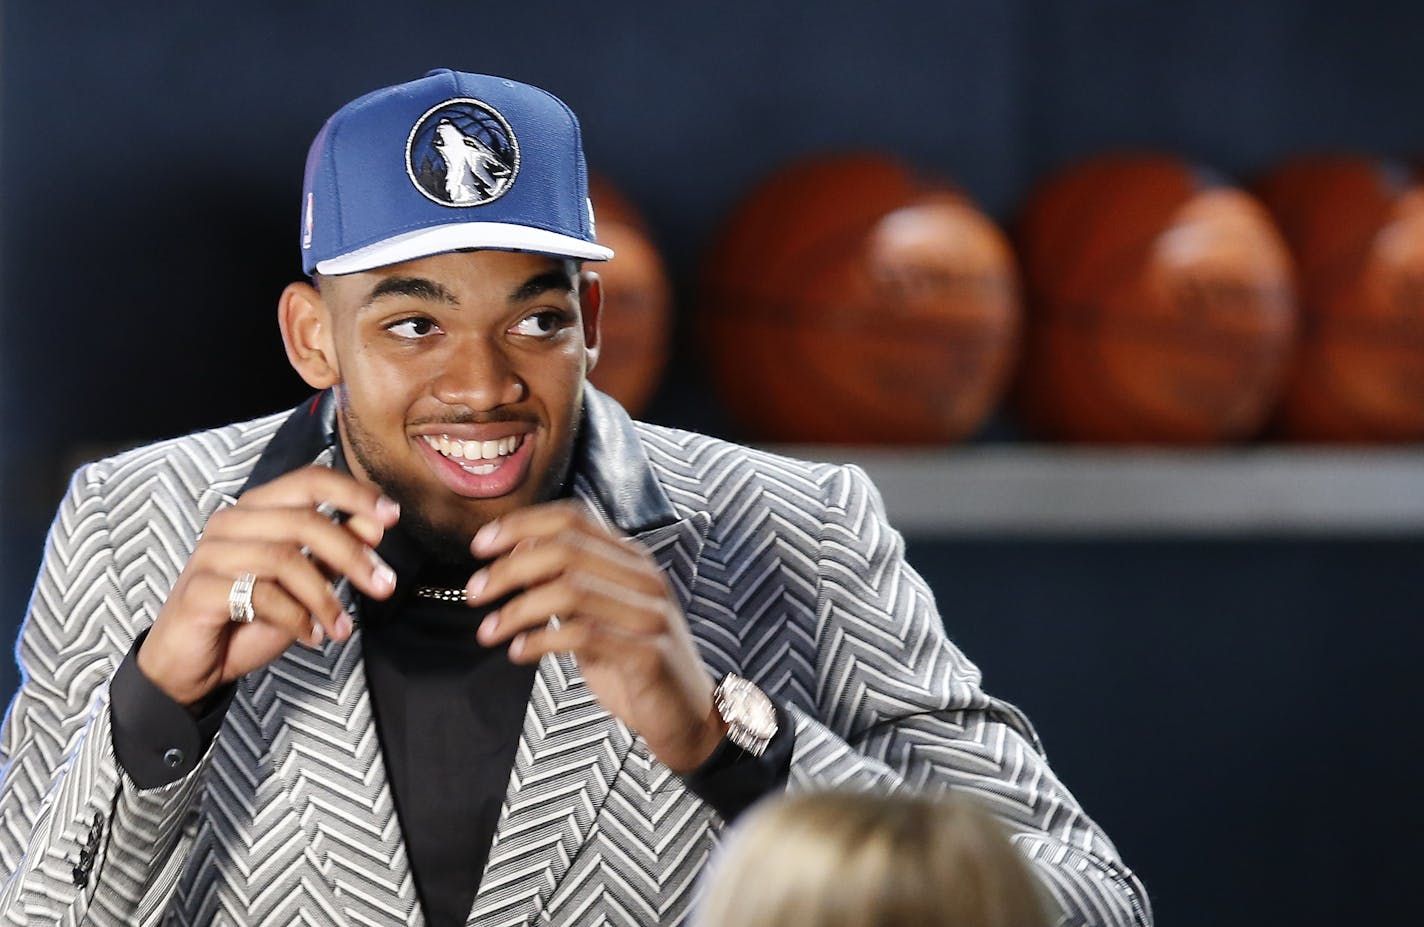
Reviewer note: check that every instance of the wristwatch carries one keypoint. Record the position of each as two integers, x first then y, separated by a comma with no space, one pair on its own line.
748,713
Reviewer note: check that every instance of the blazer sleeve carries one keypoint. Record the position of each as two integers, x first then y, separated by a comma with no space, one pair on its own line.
901,706
79,841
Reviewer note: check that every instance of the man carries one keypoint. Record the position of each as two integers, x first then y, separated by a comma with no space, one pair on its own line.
456,641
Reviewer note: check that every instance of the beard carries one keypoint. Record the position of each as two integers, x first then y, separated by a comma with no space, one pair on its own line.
445,543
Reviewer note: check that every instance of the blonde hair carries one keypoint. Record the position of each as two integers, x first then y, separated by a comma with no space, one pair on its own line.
838,859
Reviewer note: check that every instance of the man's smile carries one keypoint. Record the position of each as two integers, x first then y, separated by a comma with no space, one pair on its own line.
477,468
479,456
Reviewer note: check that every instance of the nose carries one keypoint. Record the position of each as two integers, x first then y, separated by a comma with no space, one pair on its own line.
478,375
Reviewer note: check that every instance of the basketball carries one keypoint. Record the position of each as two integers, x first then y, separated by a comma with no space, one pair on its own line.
1356,228
848,301
1160,306
636,320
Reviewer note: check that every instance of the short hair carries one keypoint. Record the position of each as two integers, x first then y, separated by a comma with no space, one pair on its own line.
841,859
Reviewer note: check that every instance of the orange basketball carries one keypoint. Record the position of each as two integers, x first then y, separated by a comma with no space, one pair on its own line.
1356,228
637,303
1160,305
848,301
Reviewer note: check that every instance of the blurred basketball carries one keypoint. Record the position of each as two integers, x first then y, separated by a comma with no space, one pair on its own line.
1160,305
1356,228
637,302
848,301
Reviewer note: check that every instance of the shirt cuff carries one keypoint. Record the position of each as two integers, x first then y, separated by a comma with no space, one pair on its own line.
157,740
731,780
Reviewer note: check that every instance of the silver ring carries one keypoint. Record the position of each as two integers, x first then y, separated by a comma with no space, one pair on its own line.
553,624
239,599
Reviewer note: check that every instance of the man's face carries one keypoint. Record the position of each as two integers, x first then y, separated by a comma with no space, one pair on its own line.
460,382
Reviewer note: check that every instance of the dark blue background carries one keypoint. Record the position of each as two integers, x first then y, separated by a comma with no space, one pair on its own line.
1236,714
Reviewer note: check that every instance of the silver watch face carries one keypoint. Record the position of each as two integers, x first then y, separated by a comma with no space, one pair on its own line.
744,704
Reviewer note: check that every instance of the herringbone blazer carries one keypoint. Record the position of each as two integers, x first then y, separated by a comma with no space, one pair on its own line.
787,571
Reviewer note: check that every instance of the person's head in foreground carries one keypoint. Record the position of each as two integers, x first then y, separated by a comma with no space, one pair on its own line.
842,859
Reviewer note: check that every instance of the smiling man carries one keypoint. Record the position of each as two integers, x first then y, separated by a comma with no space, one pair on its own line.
456,641
461,377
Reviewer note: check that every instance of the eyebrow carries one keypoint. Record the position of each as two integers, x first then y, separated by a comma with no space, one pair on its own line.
539,284
413,287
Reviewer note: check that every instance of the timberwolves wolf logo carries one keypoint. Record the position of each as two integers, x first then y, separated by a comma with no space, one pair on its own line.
462,153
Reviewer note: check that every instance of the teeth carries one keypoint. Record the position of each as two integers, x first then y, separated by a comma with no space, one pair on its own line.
475,450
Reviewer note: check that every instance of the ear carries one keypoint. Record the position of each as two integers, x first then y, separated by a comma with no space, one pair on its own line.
591,306
305,321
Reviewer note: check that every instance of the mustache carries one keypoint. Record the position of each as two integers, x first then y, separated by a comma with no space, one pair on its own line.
470,417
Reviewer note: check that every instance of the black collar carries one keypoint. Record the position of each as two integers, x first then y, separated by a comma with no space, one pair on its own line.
609,461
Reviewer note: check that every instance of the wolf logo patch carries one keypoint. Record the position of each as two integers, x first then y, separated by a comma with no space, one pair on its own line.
462,153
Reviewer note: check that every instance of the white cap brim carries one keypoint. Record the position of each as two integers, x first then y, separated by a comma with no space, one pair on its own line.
497,236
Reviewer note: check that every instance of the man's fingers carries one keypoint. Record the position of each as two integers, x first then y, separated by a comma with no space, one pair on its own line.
590,599
501,535
585,638
281,534
538,560
315,486
271,605
294,534
365,528
530,646
298,577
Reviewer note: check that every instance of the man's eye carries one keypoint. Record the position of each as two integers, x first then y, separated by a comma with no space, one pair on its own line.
541,324
412,328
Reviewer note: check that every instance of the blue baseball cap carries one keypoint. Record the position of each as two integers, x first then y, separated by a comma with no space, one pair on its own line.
443,163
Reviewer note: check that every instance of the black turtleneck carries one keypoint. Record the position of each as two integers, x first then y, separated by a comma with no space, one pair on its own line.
448,712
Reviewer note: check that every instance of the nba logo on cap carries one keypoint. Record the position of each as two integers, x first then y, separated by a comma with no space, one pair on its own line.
462,153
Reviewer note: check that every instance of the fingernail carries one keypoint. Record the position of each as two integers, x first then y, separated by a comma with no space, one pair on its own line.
388,508
343,627
516,646
476,585
489,625
381,574
384,577
317,635
486,535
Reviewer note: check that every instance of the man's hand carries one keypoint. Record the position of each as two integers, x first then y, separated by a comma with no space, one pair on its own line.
276,533
616,615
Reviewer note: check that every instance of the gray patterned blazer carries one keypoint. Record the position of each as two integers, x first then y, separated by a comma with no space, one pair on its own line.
787,571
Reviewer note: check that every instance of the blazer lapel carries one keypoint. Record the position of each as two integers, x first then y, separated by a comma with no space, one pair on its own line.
316,714
570,752
313,709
